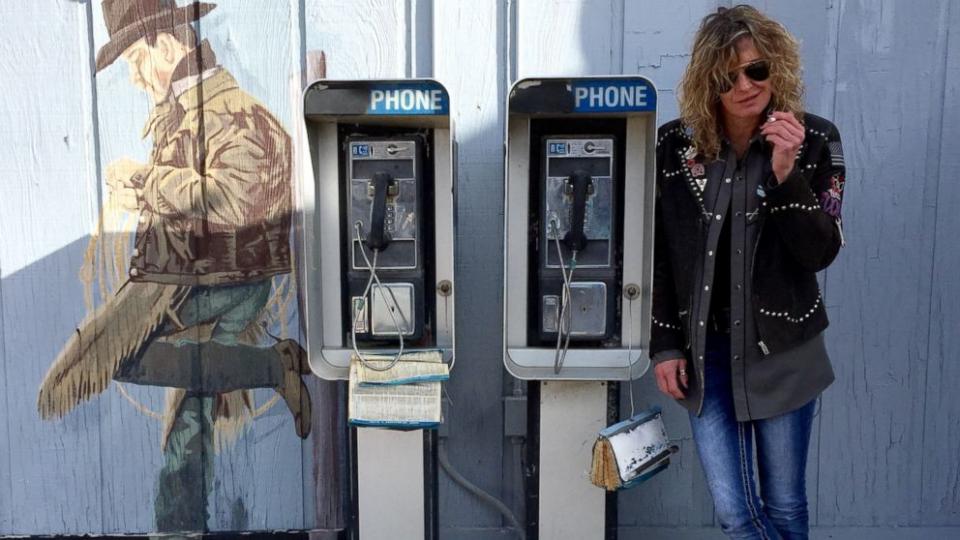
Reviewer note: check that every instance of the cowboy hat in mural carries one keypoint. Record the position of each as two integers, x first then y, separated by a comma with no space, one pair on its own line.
129,20
188,305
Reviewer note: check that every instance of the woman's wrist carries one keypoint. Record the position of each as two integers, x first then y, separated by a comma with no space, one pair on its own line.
780,176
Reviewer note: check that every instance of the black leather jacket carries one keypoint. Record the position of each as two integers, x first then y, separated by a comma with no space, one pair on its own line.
794,232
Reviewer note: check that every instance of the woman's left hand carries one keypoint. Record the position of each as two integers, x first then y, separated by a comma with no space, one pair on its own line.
786,134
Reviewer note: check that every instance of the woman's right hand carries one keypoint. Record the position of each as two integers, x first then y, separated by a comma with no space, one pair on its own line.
671,376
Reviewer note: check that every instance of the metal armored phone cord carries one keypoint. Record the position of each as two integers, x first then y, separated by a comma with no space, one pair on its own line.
446,319
566,297
630,357
372,268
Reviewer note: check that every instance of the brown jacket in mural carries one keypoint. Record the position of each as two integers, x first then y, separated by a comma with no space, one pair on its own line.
216,194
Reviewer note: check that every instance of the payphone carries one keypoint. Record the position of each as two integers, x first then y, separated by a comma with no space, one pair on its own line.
378,221
579,228
378,229
578,271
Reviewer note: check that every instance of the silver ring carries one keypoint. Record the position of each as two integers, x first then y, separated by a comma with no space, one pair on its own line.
683,373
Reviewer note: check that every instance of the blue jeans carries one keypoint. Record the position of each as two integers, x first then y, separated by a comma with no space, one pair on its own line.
186,479
725,447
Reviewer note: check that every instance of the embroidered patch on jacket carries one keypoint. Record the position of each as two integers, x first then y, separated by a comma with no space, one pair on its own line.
831,199
695,173
698,173
836,153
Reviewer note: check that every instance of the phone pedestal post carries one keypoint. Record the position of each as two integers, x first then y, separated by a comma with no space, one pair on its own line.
578,269
380,203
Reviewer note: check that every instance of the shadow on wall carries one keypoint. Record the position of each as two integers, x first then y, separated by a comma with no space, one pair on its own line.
125,391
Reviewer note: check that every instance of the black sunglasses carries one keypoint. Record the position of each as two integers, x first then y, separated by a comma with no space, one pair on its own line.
758,70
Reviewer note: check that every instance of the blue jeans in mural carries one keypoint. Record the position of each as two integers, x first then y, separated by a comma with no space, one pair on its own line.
725,447
186,479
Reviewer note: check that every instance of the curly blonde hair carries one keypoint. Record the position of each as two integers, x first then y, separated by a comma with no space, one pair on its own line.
714,51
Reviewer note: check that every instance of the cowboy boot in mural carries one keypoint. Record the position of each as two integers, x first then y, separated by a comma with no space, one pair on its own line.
292,389
212,368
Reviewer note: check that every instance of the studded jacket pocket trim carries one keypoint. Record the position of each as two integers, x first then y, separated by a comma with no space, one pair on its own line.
787,316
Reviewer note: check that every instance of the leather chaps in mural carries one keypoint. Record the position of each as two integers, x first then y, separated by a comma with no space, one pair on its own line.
195,301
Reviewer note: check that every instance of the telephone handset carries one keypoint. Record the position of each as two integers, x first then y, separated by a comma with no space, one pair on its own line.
579,185
381,187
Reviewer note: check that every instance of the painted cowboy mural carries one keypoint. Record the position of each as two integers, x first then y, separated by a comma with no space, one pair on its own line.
213,204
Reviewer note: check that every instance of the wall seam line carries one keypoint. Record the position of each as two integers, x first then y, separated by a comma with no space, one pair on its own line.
306,449
409,45
933,248
620,53
6,400
98,174
833,113
302,28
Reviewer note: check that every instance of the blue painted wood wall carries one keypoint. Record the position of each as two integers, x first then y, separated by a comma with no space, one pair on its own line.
884,460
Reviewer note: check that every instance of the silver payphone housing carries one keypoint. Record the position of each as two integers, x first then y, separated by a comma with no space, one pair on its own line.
610,316
342,167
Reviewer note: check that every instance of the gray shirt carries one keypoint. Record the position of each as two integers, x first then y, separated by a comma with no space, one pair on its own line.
741,192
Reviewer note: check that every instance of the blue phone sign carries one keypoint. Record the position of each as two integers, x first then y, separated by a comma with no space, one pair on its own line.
614,95
408,99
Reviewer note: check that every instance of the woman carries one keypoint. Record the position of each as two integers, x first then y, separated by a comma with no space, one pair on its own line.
748,210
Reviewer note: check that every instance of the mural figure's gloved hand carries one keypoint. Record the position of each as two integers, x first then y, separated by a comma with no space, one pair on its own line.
125,180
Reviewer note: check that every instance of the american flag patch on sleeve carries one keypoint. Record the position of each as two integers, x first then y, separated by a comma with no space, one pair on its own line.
836,154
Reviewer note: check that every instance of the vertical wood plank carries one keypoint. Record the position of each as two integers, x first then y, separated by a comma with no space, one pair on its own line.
879,302
259,479
6,441
326,483
556,39
420,38
130,434
359,39
45,217
678,496
469,55
940,502
363,38
658,37
814,24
